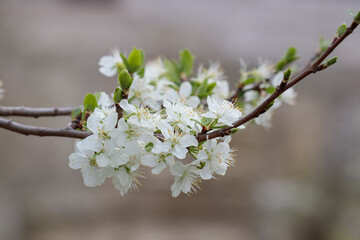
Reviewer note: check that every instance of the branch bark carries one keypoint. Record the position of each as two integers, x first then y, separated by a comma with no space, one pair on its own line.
313,68
35,112
41,131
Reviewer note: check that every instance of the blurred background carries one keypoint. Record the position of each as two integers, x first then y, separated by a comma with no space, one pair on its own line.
299,180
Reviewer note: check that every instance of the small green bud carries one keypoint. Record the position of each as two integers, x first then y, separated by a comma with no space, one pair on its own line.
233,130
287,74
331,61
341,30
248,81
136,59
125,80
90,102
117,95
355,16
76,112
270,89
323,44
269,106
289,57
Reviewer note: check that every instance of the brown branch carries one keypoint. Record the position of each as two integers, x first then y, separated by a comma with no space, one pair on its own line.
34,112
313,68
41,131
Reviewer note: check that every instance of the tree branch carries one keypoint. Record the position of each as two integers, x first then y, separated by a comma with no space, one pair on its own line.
313,68
71,133
41,131
34,112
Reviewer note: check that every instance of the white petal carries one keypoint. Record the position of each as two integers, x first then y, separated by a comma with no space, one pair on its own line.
92,177
102,160
158,169
123,176
107,61
177,169
161,147
124,104
205,172
179,152
91,142
175,191
193,101
209,115
188,140
77,160
149,160
108,72
185,90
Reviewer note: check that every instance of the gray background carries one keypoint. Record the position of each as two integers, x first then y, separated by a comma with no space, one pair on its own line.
299,180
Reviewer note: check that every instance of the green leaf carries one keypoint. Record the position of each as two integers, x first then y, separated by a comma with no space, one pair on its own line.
206,121
352,13
117,95
135,60
125,80
289,57
210,87
323,44
141,72
280,65
290,54
270,89
331,61
201,92
125,61
355,16
186,62
172,72
90,102
249,81
341,30
287,74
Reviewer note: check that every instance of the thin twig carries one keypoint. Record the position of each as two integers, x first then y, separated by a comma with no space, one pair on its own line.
34,112
69,132
41,131
313,68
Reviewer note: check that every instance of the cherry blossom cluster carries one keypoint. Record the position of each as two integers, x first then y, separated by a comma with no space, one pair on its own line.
155,114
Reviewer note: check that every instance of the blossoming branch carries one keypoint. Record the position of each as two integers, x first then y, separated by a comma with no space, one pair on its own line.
164,114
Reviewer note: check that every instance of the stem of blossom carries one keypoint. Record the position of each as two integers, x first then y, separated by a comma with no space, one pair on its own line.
41,131
34,112
313,68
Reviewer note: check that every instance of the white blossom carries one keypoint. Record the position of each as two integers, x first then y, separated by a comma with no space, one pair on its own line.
175,142
85,160
109,63
216,157
157,161
185,178
224,111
